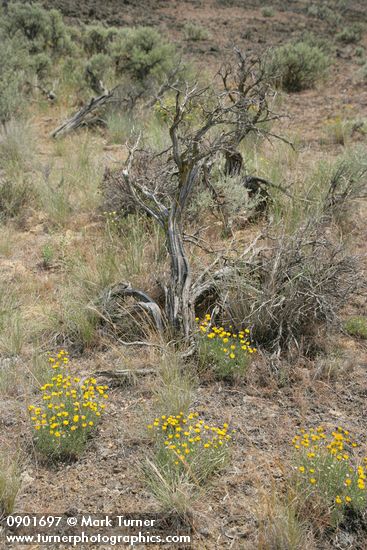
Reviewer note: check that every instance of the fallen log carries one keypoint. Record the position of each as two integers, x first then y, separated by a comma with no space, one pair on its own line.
80,118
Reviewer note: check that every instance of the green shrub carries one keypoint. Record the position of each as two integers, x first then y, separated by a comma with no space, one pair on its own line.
356,326
43,30
14,68
362,73
97,39
267,11
141,52
298,66
350,35
41,64
195,32
359,51
97,68
323,12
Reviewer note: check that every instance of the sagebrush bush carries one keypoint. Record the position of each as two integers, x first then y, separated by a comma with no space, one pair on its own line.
227,196
359,51
195,32
325,13
297,66
97,68
346,183
43,30
41,64
14,69
362,73
350,35
97,39
267,11
142,52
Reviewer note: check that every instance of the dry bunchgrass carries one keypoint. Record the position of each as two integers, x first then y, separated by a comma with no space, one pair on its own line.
174,389
12,328
68,184
280,526
9,481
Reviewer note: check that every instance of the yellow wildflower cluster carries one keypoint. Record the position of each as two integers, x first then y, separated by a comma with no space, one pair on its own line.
186,436
69,404
229,351
231,342
328,461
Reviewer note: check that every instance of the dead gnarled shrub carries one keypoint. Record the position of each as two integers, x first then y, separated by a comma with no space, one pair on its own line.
291,287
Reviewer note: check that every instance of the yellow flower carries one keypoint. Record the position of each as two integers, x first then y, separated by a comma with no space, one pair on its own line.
348,499
312,480
338,500
232,355
301,469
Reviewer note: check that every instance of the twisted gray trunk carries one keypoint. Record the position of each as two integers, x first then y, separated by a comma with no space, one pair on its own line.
179,309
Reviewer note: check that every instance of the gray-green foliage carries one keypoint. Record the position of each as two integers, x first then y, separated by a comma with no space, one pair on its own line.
97,39
356,326
325,13
228,192
43,30
350,35
41,64
98,67
297,66
362,73
14,67
195,32
141,53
